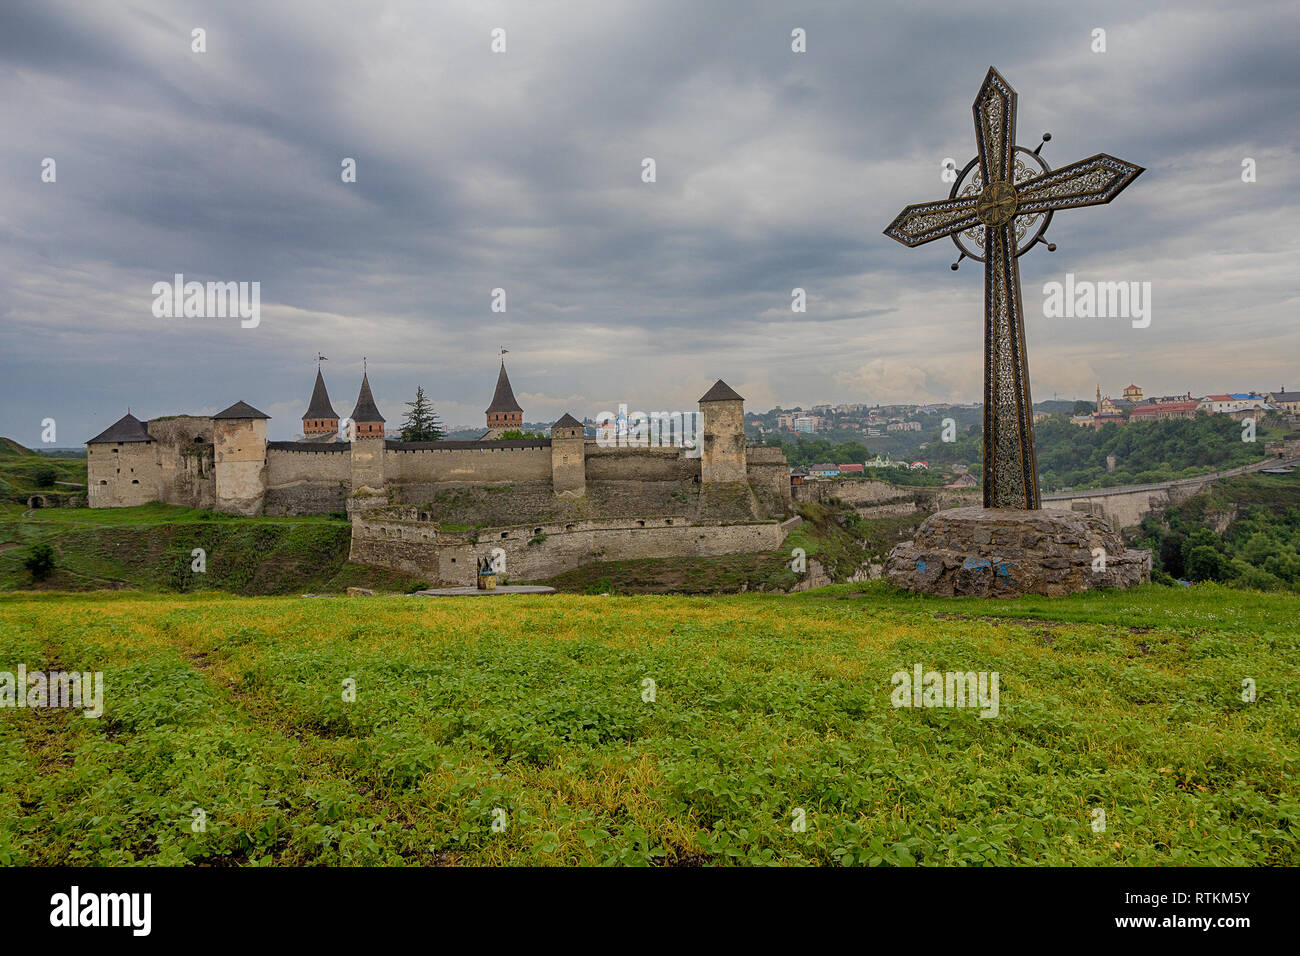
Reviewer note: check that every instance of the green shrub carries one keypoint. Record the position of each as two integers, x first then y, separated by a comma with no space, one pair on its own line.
1205,564
39,562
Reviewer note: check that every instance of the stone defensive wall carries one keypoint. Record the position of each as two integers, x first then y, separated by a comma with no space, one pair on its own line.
410,539
513,503
639,464
768,474
504,482
872,498
432,464
307,477
318,477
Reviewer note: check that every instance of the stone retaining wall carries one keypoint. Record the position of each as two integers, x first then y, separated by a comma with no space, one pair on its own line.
398,539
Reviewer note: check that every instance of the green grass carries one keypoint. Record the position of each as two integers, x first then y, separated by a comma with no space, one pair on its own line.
728,573
842,541
1275,492
151,548
764,704
142,516
1222,609
20,471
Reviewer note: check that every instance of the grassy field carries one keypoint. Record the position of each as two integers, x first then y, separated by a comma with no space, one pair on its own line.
530,712
150,547
24,473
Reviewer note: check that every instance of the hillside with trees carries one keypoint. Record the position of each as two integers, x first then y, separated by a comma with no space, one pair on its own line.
1244,532
1147,452
1070,456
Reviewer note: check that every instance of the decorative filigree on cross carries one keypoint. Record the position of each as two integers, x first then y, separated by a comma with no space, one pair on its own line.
995,207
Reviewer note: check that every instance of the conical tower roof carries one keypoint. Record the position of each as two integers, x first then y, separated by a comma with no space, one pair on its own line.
720,392
366,412
320,406
240,410
503,399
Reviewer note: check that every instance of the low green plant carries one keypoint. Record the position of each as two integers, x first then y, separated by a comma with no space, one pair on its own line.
656,730
39,562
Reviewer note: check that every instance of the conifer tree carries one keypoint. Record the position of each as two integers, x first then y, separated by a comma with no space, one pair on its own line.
422,423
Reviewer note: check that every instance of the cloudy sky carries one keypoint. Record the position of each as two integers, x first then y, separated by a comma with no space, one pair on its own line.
522,170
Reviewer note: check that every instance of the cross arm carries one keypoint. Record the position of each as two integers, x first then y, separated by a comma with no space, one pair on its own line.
1089,182
924,222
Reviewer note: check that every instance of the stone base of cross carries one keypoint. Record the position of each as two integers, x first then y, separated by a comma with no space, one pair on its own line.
1004,202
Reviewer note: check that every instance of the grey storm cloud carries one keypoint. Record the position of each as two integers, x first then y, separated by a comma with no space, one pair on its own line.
522,170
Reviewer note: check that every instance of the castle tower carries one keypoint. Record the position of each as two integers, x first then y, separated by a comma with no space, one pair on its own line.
1099,398
366,419
320,420
504,414
239,459
723,456
121,465
367,442
568,457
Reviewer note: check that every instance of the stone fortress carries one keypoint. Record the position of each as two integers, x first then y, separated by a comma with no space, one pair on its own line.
541,505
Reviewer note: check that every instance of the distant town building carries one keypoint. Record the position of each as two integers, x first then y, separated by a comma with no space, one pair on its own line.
850,469
1133,393
1111,406
879,462
964,481
903,427
1286,401
1108,418
1233,402
1164,411
1252,412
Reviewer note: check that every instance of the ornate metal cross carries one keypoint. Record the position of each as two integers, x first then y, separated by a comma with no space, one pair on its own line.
1011,196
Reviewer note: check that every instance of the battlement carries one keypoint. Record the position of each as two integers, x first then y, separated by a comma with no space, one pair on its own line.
309,447
491,445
